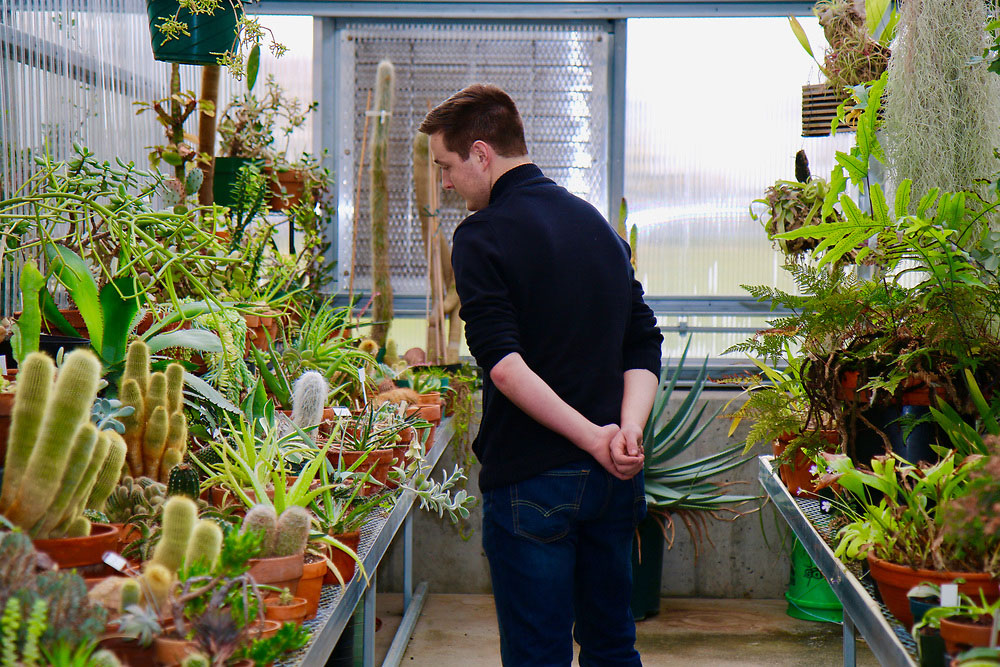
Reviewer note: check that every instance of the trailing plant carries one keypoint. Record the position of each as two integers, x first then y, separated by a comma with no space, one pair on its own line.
941,120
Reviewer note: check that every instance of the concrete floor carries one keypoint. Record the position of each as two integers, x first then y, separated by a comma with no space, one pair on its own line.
461,631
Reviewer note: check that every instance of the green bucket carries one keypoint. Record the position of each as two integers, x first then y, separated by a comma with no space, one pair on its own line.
227,170
211,35
809,596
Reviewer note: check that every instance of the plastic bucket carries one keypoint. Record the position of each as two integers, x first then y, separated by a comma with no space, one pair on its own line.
647,571
211,35
809,596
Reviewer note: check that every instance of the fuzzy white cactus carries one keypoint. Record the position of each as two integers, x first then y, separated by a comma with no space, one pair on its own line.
308,398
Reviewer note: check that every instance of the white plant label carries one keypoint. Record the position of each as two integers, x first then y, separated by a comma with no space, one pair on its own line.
949,595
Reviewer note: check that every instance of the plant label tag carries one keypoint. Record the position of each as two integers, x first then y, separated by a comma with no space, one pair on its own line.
341,411
3,365
949,595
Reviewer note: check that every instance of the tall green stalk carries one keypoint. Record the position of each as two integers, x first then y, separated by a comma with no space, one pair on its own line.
385,86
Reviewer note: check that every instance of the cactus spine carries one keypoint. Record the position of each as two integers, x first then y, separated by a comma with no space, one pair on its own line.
292,531
385,84
179,517
308,398
110,472
206,543
46,474
262,518
156,432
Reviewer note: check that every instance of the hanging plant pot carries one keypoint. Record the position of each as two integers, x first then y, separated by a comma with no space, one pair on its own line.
211,35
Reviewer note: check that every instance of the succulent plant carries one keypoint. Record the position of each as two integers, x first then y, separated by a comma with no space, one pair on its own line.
308,399
283,536
134,497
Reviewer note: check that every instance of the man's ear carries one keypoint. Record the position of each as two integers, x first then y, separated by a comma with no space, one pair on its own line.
482,152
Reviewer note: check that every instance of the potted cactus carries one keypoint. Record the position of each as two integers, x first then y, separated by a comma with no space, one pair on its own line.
285,538
47,484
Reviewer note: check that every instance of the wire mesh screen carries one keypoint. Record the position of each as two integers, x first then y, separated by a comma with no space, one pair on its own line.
557,75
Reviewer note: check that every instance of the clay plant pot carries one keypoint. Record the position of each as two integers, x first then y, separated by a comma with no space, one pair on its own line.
378,462
962,633
280,571
796,476
399,453
128,651
293,612
311,584
264,629
127,534
340,561
172,650
83,553
895,581
293,182
848,388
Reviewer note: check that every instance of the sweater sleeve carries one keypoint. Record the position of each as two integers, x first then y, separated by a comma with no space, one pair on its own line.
642,347
491,328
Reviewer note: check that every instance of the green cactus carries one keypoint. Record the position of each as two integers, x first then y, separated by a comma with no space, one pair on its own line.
179,517
206,543
157,581
110,472
104,658
158,426
39,482
37,622
131,594
183,481
195,660
10,627
262,518
308,399
385,84
81,452
133,497
34,385
293,531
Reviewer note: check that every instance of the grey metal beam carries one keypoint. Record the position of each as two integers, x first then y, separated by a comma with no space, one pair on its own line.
575,9
402,637
616,118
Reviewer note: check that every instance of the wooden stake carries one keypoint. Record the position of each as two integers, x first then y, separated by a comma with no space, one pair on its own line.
357,197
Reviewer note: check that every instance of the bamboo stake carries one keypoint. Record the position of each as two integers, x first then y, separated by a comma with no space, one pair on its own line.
357,197
432,236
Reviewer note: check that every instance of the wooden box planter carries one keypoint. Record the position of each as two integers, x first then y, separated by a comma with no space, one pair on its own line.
819,108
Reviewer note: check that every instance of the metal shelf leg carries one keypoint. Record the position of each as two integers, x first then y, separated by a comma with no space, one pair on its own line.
407,560
850,644
368,641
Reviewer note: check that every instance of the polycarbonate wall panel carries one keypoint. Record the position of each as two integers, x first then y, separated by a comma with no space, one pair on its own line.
557,74
713,119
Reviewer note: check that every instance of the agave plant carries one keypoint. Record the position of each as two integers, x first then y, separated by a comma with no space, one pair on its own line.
686,490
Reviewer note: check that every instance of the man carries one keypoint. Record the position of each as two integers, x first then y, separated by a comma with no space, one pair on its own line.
571,357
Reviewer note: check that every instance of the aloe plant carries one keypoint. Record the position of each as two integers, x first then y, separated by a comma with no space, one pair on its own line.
686,489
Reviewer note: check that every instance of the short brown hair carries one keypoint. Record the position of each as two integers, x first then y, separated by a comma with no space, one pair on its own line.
479,112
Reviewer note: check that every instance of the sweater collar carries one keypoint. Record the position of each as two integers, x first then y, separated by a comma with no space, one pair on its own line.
513,178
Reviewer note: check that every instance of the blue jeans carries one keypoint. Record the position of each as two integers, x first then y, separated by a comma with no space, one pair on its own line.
559,547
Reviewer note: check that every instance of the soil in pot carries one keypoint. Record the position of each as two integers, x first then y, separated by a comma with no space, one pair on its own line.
311,584
293,612
341,561
894,582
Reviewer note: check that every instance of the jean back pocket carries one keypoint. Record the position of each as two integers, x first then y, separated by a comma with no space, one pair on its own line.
545,506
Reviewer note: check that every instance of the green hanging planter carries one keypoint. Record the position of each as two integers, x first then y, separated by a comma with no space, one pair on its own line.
211,34
227,169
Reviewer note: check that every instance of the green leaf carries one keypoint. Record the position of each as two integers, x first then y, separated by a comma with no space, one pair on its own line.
29,324
209,393
903,198
800,34
253,66
119,304
195,339
874,15
72,272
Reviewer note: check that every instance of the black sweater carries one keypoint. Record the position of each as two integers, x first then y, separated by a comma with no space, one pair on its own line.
540,272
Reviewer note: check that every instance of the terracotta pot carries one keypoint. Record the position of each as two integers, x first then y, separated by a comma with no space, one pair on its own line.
340,561
127,534
796,476
293,612
378,461
430,412
293,181
917,392
253,321
961,634
399,456
83,553
280,571
848,388
128,651
894,581
311,583
172,650
264,629
221,496
72,316
6,407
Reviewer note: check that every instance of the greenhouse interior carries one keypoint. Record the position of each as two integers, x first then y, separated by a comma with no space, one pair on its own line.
421,305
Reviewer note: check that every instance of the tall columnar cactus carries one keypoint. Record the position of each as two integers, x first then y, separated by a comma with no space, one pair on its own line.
110,472
54,453
180,515
385,90
156,432
308,398
205,544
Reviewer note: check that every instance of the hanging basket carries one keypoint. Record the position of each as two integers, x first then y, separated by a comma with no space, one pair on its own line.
819,108
211,35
